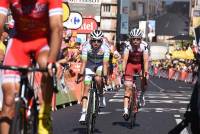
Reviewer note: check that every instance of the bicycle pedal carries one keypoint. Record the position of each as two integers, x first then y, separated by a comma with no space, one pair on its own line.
126,117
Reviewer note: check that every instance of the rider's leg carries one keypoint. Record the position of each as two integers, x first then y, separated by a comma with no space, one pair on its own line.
127,94
87,83
128,85
100,85
8,109
84,102
45,123
143,89
15,56
102,101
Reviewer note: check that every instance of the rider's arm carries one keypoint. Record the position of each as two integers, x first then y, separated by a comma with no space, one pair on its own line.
84,54
105,62
125,59
56,28
3,13
146,62
146,57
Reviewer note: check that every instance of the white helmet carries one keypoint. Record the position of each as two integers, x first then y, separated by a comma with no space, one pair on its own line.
136,33
96,34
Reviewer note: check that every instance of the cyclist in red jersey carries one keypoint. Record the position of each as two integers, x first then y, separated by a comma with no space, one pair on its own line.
135,60
38,25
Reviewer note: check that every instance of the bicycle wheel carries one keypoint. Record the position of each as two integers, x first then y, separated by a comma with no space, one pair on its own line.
32,119
90,110
18,125
96,104
134,109
131,114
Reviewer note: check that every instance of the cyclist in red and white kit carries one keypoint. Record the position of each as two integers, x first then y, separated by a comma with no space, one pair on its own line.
38,25
135,60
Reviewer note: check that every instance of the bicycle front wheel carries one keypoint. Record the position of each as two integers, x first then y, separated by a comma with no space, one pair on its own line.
32,119
18,125
90,111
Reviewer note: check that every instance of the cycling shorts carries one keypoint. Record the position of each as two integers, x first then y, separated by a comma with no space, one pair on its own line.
18,54
88,78
131,69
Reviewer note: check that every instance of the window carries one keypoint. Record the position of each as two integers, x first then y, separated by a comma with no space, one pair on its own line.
107,8
134,6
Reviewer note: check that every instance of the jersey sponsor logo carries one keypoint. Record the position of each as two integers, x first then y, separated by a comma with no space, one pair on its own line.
100,52
36,9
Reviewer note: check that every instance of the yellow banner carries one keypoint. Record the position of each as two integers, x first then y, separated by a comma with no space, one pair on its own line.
188,54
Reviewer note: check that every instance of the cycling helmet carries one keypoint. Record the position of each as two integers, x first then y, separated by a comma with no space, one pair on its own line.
136,33
96,34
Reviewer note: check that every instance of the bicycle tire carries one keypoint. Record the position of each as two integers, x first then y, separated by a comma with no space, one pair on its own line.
32,120
90,110
96,104
131,104
18,125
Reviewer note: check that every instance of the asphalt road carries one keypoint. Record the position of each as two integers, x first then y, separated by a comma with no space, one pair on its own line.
166,101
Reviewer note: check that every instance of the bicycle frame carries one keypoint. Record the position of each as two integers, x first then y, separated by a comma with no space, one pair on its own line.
93,107
133,102
24,121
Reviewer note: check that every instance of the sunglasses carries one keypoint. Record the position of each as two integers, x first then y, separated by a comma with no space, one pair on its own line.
137,39
97,41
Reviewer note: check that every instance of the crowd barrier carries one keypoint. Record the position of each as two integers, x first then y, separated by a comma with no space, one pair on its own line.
173,74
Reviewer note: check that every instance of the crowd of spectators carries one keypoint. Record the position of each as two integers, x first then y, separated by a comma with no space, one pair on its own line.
176,69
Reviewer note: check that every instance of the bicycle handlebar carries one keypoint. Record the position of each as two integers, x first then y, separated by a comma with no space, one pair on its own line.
23,69
135,75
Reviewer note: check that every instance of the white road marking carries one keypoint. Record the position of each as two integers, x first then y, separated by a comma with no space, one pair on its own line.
184,131
161,89
103,113
156,110
185,87
177,116
154,101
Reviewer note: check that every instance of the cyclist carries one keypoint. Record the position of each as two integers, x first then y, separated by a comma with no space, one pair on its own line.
95,56
135,60
38,27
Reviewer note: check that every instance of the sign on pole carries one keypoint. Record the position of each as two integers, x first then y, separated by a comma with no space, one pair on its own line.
74,22
124,11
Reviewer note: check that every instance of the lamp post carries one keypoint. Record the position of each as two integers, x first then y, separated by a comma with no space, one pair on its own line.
147,21
118,21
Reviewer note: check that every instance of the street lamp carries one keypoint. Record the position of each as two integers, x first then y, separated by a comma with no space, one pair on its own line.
147,21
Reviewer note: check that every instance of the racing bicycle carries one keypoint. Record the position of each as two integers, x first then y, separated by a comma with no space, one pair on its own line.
92,106
26,101
134,102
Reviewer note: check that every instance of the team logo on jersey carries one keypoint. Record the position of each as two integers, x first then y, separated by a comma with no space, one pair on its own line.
100,52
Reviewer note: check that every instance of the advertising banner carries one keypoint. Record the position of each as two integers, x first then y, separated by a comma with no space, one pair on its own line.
86,7
88,25
74,22
142,26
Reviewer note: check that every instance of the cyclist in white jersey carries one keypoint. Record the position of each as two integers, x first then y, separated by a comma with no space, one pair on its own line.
95,56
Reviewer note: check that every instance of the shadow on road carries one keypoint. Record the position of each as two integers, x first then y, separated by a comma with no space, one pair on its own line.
125,124
83,130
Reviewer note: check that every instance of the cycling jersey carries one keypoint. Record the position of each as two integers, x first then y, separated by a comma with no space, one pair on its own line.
95,57
31,18
135,60
32,31
136,54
